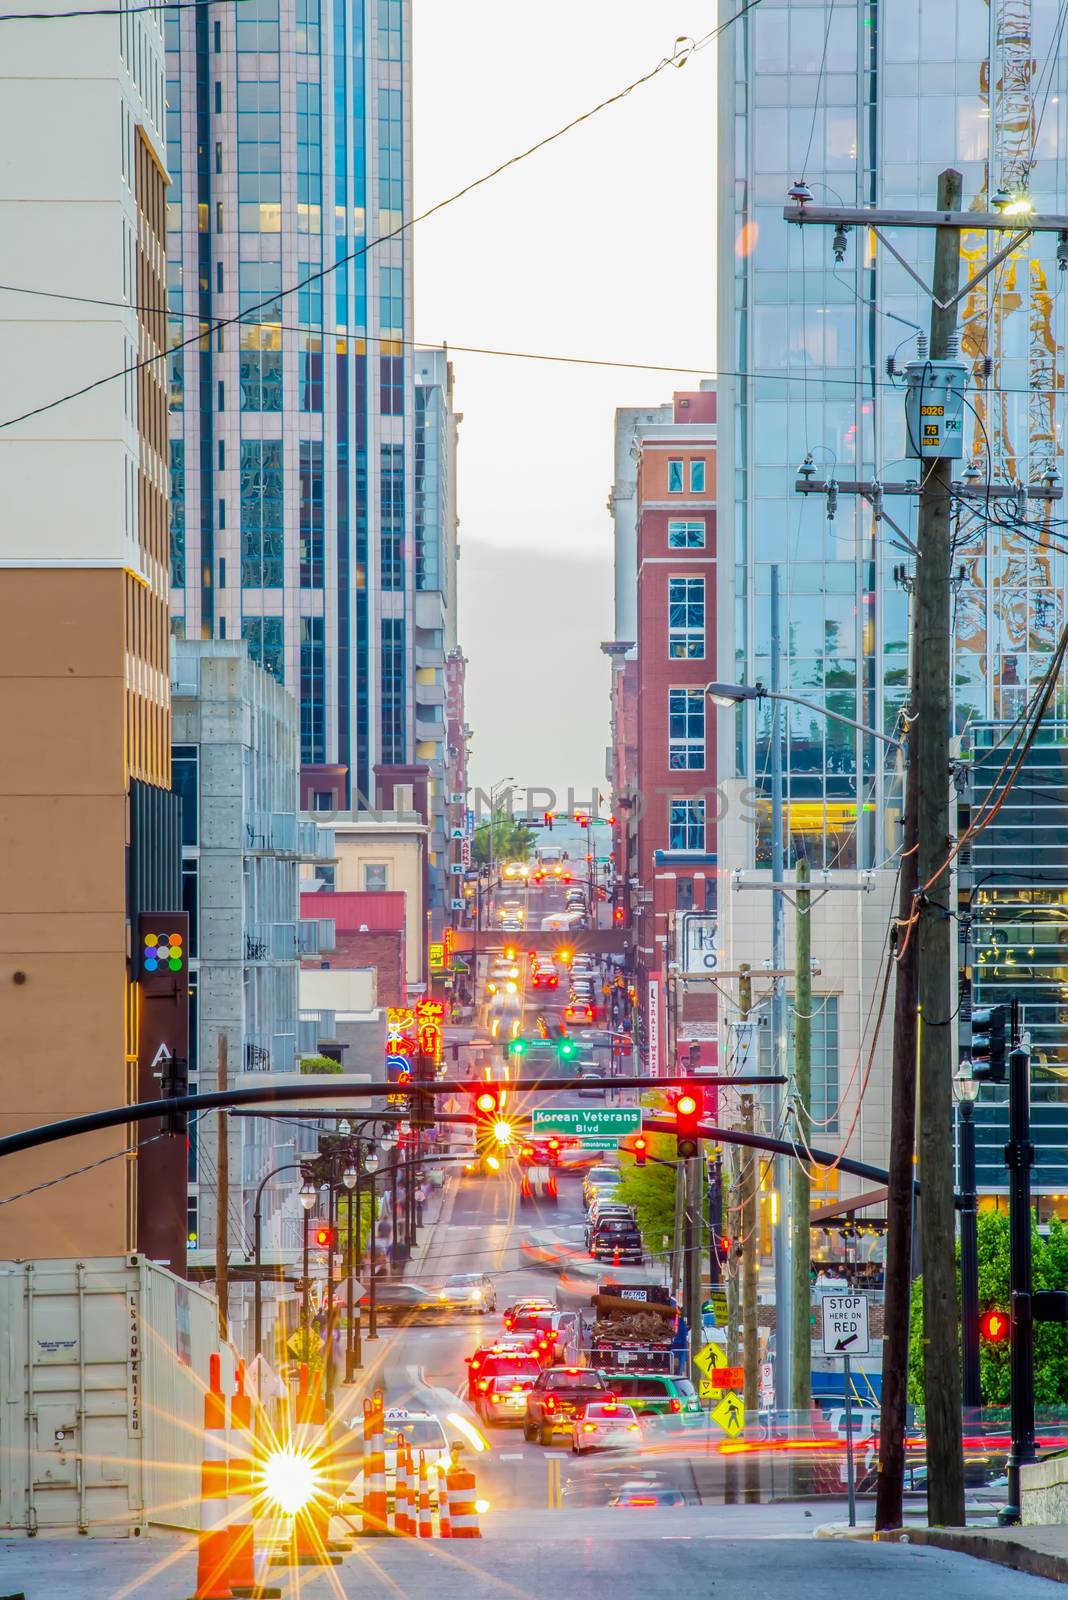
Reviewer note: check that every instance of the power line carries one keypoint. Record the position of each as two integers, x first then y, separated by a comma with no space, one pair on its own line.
113,11
678,59
76,1172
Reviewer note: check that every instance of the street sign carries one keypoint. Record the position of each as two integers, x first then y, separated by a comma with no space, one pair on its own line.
727,1378
845,1325
710,1356
591,1120
730,1414
456,905
605,1144
716,1305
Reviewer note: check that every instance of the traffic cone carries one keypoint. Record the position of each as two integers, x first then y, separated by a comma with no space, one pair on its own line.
444,1515
463,1512
400,1492
309,1546
374,1476
241,1480
213,1541
426,1526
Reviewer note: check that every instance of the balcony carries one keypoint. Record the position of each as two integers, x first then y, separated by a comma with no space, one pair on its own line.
428,732
257,1053
315,936
275,941
271,833
315,843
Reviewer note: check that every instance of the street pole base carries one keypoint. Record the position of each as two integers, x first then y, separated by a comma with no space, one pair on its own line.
1009,1517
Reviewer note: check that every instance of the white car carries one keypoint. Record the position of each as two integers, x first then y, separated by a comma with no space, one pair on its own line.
423,1432
469,1291
605,1425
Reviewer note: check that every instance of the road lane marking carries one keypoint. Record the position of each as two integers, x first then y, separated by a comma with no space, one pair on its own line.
509,1457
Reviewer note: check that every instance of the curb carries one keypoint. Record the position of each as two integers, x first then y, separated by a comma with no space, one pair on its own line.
840,1530
1004,1552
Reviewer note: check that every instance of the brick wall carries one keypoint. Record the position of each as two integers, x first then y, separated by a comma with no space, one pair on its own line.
383,951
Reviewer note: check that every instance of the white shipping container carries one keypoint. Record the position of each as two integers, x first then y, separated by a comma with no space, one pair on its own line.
104,1364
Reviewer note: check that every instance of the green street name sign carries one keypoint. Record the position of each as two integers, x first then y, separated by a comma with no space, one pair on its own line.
592,1121
598,1143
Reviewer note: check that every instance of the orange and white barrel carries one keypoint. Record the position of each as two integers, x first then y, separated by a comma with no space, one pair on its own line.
214,1541
463,1509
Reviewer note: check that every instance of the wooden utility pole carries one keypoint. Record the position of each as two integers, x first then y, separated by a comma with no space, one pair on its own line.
801,1244
222,1198
942,1394
897,1277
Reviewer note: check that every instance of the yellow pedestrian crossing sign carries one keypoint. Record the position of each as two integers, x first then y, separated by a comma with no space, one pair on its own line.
295,1342
709,1356
730,1414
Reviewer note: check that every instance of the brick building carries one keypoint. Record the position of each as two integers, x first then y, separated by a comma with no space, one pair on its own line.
668,844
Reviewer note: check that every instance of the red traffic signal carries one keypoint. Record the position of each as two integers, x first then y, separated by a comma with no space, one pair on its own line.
689,1109
323,1236
487,1102
554,1152
617,915
640,1148
994,1326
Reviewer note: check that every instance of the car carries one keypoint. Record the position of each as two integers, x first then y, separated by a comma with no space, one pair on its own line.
515,872
577,1011
469,1291
491,1362
422,1431
598,1177
656,1394
576,898
504,1401
601,1211
559,1394
503,969
512,924
511,909
404,1302
545,977
605,1425
590,1084
616,1239
647,1495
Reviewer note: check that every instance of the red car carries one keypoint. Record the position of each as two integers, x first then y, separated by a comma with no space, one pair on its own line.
492,1365
545,978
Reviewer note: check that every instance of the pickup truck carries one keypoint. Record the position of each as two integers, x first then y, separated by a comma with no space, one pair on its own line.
559,1395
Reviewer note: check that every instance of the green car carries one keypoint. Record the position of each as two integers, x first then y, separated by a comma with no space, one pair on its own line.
656,1394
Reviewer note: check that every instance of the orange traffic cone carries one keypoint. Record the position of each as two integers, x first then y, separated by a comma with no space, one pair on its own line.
214,1542
426,1526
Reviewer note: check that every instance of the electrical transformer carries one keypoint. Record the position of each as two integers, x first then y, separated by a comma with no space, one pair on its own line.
934,408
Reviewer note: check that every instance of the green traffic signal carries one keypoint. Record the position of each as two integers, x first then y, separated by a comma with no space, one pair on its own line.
517,1047
566,1049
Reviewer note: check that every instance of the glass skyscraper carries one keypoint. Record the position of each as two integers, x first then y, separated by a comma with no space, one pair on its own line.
289,144
868,103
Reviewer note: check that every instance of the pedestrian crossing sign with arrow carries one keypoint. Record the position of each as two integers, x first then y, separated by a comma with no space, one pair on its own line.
730,1414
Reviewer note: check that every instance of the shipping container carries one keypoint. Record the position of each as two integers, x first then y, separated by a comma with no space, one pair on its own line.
104,1364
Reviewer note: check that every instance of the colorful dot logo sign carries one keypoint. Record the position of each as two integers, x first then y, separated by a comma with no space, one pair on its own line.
163,952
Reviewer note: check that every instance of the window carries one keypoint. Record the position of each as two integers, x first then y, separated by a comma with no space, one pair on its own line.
392,516
265,644
311,516
261,513
674,477
312,692
697,477
686,830
686,535
686,619
185,781
823,1110
683,894
376,875
686,730
393,719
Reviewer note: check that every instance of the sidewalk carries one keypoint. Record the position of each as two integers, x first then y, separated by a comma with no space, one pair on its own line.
1040,1551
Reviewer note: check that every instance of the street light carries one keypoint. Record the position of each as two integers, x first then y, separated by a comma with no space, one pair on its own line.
350,1177
733,694
308,1194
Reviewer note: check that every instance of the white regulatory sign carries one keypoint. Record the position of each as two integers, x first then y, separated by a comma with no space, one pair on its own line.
845,1325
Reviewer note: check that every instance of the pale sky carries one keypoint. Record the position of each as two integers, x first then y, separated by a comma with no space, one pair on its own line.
601,245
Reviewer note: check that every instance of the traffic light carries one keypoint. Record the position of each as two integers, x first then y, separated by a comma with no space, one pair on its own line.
988,1050
617,915
640,1149
994,1326
420,1103
689,1110
174,1084
516,1048
553,1148
564,956
323,1236
582,819
549,816
566,1049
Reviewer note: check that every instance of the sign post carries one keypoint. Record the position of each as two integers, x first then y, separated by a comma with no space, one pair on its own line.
845,1334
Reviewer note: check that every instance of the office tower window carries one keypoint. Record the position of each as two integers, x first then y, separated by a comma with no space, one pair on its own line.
261,514
177,512
686,830
824,1107
686,535
391,505
393,690
686,619
312,692
265,644
311,513
686,729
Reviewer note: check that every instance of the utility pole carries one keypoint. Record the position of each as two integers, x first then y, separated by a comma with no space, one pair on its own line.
897,1277
942,1391
801,1364
222,1197
781,1167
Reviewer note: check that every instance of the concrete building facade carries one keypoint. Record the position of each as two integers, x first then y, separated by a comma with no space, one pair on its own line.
236,759
88,827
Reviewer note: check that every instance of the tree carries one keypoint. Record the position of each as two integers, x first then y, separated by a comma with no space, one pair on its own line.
1049,1257
651,1191
311,1065
512,840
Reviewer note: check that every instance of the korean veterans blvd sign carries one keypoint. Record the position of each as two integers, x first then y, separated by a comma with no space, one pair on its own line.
845,1325
595,1121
